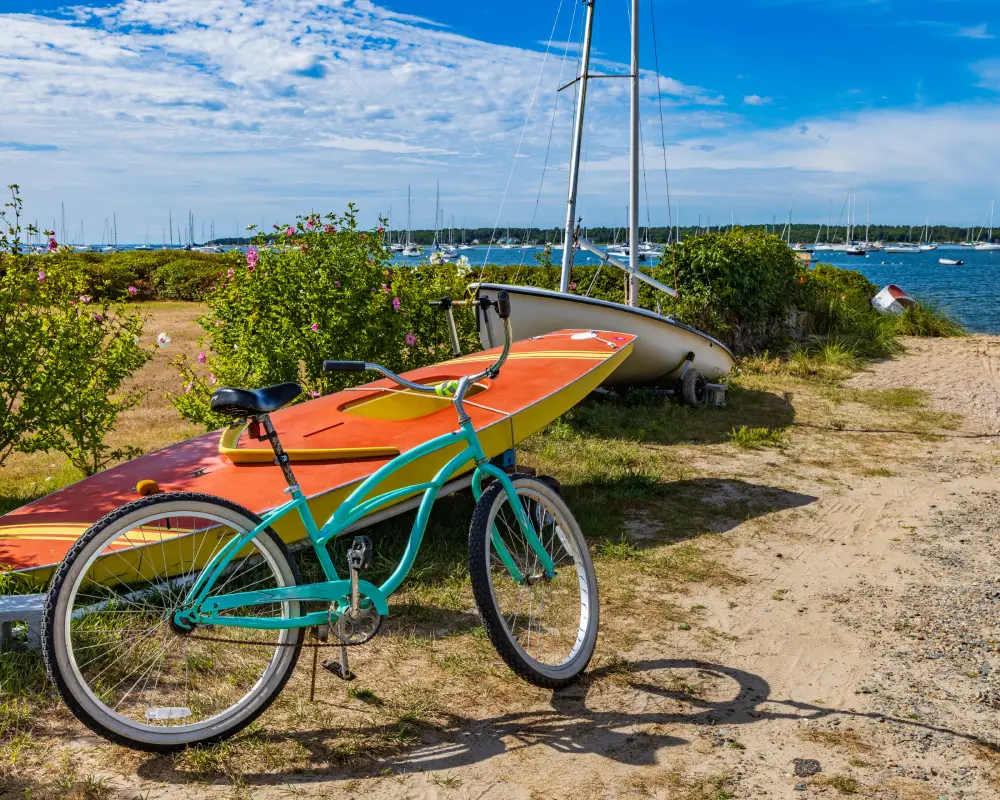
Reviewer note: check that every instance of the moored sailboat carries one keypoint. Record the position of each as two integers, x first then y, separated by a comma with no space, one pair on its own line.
666,351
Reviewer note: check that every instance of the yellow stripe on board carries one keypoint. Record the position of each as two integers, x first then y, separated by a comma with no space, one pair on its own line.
561,355
69,533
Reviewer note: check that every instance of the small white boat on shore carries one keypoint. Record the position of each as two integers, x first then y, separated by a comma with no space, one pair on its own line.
892,300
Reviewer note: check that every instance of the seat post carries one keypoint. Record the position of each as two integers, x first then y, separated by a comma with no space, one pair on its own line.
280,456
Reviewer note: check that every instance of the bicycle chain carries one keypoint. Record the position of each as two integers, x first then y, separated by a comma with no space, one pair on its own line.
317,646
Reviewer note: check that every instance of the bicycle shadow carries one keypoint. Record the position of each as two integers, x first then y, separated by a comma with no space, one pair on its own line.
654,513
611,714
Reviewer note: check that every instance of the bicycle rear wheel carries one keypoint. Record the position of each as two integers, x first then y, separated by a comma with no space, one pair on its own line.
545,629
113,651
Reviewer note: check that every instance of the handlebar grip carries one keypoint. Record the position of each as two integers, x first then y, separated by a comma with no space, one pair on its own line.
344,366
503,304
444,303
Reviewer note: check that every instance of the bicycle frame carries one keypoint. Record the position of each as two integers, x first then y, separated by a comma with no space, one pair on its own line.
199,609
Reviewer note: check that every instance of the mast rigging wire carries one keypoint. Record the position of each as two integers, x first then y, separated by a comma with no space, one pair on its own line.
520,141
663,135
552,126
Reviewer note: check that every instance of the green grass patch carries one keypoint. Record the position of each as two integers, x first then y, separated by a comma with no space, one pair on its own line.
843,784
756,438
927,319
620,550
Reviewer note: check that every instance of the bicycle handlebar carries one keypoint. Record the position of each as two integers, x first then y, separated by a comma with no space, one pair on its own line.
503,311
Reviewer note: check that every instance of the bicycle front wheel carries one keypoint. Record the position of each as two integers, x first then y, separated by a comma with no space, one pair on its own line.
545,629
110,643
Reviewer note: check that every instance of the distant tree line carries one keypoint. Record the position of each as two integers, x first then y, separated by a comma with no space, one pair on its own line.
800,232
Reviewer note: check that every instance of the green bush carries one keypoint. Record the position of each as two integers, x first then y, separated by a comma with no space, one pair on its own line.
64,355
325,291
818,286
744,282
189,278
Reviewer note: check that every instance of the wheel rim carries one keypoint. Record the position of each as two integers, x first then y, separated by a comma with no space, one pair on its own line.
546,620
131,665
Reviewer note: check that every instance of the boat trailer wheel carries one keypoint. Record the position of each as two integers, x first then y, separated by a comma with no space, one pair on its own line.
693,388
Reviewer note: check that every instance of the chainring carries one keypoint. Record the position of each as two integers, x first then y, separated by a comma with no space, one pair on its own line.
359,630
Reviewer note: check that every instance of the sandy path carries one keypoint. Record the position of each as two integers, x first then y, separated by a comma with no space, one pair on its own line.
865,642
865,639
961,375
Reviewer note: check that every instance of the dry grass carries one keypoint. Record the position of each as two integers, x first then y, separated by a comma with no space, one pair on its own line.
848,740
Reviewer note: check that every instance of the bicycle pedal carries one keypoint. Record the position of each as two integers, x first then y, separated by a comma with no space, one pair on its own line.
359,555
335,667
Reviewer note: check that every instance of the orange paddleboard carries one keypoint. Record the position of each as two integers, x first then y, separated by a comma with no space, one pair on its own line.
335,443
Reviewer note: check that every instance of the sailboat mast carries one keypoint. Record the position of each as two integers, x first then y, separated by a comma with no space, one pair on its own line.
408,208
574,162
633,222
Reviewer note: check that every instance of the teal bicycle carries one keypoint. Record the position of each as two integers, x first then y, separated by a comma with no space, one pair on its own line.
178,619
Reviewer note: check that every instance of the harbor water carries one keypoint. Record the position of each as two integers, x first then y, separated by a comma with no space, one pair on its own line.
969,293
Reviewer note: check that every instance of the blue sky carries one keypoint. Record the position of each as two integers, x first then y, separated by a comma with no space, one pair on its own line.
254,111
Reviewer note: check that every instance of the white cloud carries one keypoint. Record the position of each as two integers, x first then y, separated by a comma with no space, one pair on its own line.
378,146
989,73
241,107
245,109
975,32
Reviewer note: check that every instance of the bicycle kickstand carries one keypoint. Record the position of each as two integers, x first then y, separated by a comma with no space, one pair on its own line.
359,557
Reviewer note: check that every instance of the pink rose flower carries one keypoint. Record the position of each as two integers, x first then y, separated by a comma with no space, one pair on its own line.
290,232
572,286
396,303
252,257
380,229
202,358
41,276
84,299
309,224
133,291
385,288
52,244
314,327
211,379
330,229
411,339
314,394
229,273
337,284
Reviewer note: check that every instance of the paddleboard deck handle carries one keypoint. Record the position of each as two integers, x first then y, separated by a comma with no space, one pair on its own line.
344,366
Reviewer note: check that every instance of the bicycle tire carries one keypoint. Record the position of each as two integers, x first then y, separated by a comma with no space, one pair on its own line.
60,660
505,635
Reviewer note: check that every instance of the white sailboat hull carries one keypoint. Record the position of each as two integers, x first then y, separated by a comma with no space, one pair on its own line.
660,350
